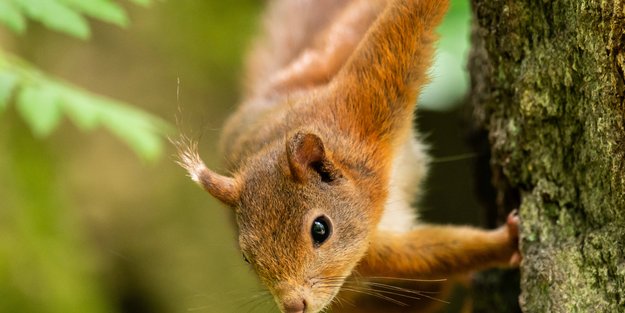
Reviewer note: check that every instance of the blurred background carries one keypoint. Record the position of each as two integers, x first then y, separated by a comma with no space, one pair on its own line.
95,216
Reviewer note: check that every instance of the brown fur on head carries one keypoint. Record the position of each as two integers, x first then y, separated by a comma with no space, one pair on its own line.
284,191
321,149
279,194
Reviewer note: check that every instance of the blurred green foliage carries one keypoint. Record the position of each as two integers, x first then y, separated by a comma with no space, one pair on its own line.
450,80
42,101
62,15
83,228
45,265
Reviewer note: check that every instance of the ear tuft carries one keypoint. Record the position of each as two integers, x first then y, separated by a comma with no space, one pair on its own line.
224,188
305,152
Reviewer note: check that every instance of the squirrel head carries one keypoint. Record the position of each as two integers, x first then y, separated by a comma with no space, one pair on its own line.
302,220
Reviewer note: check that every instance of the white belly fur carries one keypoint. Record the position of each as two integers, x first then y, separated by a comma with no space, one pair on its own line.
408,172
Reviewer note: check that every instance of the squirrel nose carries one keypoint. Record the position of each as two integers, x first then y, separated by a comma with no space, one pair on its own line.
295,306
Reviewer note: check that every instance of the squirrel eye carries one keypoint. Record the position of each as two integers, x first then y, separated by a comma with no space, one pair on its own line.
245,259
320,230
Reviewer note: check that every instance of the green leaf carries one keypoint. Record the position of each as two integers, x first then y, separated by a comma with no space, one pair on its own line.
39,107
12,17
80,107
42,101
104,10
141,131
8,81
138,129
56,16
147,144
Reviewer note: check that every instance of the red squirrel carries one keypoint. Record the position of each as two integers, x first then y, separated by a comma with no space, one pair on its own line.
323,158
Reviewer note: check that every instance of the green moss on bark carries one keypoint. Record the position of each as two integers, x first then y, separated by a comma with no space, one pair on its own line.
548,84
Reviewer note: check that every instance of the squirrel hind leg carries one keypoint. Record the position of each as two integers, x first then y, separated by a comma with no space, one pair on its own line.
319,62
288,28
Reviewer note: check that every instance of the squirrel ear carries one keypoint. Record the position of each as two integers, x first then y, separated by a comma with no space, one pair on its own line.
305,152
225,189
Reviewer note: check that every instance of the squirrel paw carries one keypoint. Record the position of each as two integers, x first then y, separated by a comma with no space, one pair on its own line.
512,228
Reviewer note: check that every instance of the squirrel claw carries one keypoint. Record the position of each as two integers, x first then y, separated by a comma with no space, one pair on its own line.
515,259
512,224
512,227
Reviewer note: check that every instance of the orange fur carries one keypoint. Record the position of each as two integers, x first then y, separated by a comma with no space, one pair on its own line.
328,108
437,251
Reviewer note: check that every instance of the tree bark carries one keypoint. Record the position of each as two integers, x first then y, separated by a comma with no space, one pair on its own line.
548,85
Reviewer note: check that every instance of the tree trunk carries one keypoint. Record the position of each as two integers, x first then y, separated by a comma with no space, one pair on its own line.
548,85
